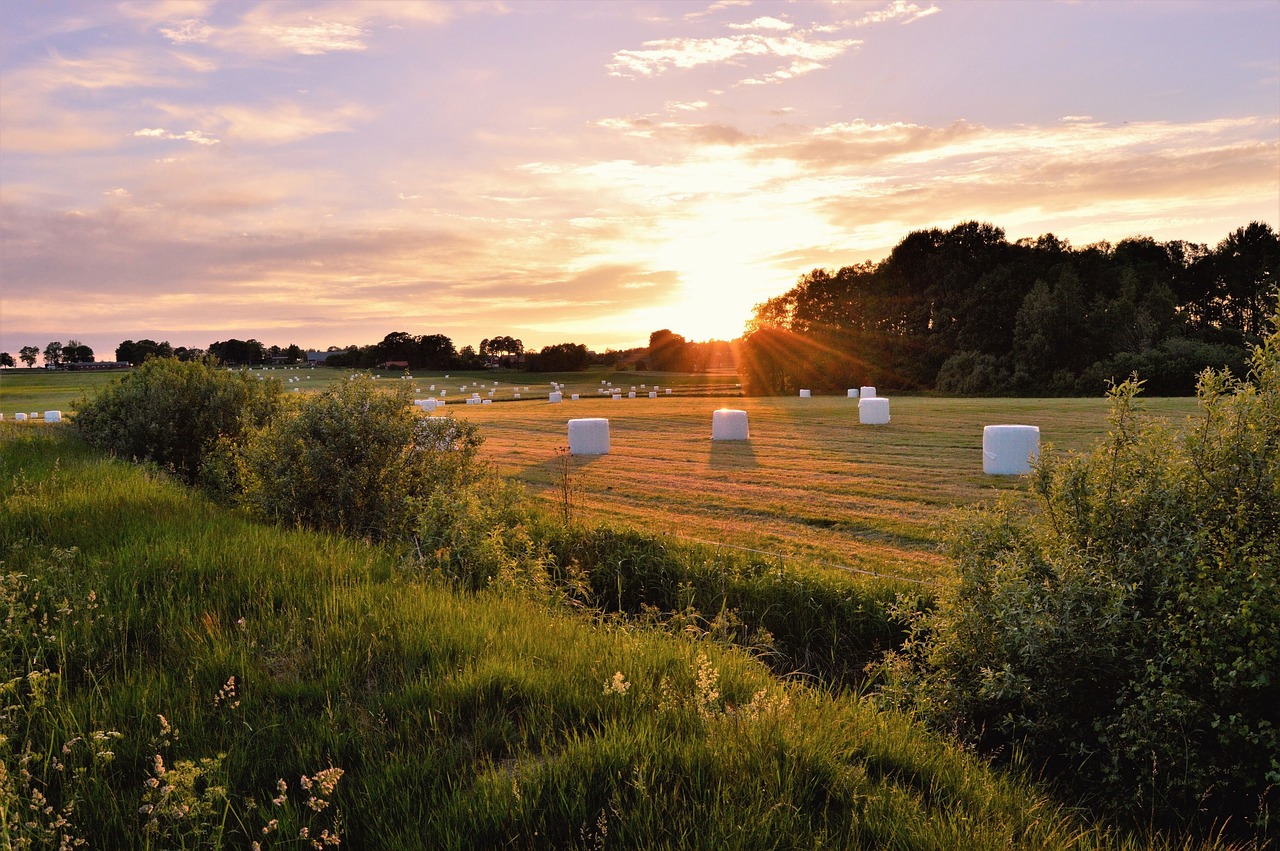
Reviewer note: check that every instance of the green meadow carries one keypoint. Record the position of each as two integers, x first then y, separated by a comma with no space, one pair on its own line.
179,675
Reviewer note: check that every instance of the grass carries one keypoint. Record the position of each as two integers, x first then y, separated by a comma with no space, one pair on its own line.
458,721
811,483
28,390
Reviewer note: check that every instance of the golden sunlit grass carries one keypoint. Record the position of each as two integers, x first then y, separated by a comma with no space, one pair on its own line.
811,482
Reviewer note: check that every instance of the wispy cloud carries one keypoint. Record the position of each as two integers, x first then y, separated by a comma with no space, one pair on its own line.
194,136
189,31
316,37
657,57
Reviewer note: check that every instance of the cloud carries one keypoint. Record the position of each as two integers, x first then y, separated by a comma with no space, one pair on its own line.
910,12
317,37
657,57
194,136
274,29
764,24
190,31
278,123
43,110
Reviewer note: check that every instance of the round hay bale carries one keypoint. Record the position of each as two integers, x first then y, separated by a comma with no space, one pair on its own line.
729,425
53,416
589,436
866,393
1008,450
555,398
805,394
873,410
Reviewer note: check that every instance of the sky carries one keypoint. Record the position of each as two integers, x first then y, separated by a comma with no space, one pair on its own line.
326,173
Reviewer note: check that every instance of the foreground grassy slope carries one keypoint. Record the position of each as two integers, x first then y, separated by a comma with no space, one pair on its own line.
459,721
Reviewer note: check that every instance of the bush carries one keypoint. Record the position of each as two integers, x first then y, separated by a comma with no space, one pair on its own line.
355,459
1123,635
173,413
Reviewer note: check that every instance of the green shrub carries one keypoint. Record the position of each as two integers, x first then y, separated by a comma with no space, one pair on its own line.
174,412
355,459
1124,635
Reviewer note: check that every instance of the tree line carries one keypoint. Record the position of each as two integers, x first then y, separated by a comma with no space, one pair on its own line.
966,311
54,354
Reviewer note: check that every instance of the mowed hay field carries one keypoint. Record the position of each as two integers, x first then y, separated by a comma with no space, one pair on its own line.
810,484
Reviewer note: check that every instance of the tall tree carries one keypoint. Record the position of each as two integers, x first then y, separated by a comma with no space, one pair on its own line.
53,353
6,359
28,354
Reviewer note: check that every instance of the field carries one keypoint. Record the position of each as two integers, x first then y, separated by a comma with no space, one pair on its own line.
811,484
415,716
501,717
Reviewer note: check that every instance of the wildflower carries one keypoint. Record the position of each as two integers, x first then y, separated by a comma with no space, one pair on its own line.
283,789
618,685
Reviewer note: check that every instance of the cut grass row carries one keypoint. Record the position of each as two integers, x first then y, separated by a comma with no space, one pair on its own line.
461,721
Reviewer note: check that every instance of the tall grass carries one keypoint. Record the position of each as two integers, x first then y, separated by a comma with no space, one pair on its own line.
179,677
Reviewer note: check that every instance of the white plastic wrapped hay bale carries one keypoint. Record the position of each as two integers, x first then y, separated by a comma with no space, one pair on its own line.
874,410
555,397
866,392
631,394
574,397
653,394
668,391
486,401
20,418
589,436
853,394
53,416
805,394
1008,450
729,425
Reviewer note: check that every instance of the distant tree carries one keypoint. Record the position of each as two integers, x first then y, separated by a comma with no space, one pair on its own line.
468,358
239,351
135,353
53,353
28,354
434,351
294,353
76,352
6,359
396,346
563,357
668,352
1245,269
187,355
506,350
